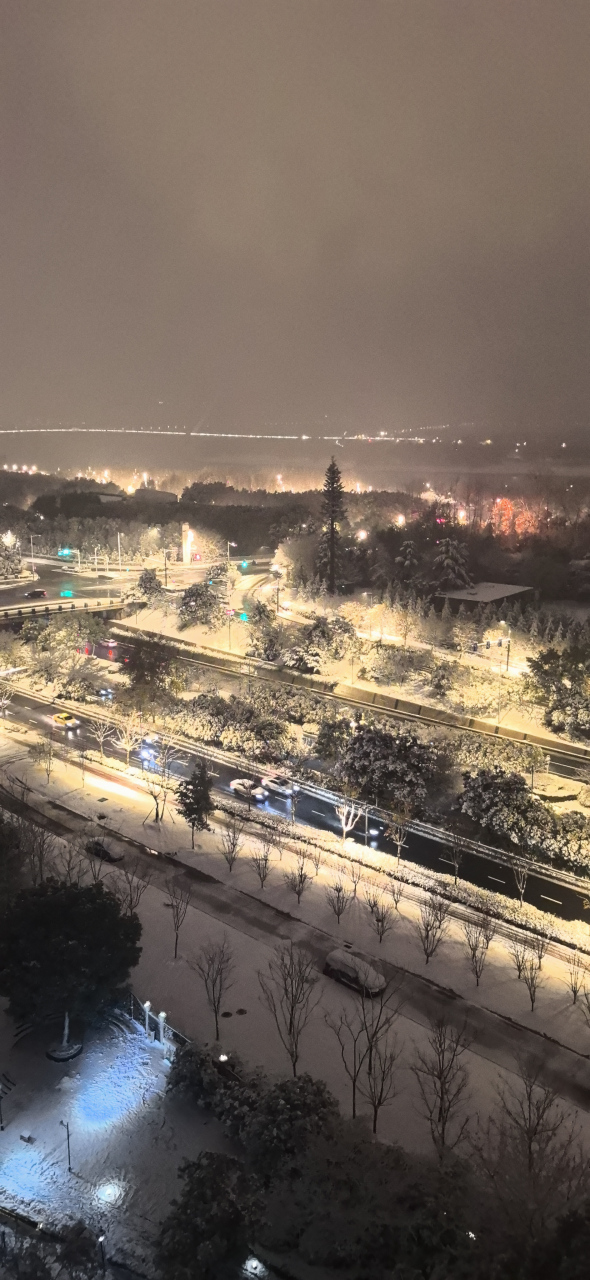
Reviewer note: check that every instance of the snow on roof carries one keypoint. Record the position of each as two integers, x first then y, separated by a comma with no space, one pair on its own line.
484,592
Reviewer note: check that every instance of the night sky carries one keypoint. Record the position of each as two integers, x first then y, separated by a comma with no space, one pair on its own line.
300,213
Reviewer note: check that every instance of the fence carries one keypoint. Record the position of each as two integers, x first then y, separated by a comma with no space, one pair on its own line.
154,1024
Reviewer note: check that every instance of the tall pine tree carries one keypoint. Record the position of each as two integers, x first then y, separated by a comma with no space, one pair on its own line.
333,514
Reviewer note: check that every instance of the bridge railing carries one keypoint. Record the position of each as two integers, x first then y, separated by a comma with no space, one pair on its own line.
57,606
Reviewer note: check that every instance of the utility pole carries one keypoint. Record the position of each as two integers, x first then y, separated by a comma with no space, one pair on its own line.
119,544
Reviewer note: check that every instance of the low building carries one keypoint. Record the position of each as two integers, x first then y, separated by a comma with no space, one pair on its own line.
482,593
158,497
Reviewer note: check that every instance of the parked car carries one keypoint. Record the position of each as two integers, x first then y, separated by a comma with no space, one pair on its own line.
65,720
354,971
247,790
97,849
36,594
279,785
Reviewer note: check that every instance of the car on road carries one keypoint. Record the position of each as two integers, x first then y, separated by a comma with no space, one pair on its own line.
36,594
279,785
247,790
354,971
65,720
97,849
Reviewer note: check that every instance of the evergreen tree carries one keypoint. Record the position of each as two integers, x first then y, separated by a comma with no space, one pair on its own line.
193,799
333,513
65,949
449,567
406,563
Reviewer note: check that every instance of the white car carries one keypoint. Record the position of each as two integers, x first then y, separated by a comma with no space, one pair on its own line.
354,971
247,790
279,785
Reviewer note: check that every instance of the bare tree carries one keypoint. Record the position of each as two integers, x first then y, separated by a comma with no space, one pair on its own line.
260,861
354,871
396,888
288,992
131,887
129,734
215,964
232,840
178,901
279,837
379,1083
6,696
520,871
316,857
530,1154
82,757
577,974
349,1029
433,924
42,753
383,920
476,941
349,814
540,946
372,898
153,783
520,952
38,847
532,980
443,1081
102,729
338,899
456,848
167,757
68,863
397,830
298,880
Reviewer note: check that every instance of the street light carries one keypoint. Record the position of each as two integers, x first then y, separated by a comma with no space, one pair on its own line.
33,535
230,544
65,1125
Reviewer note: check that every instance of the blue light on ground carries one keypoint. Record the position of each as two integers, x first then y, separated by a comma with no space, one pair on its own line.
22,1174
113,1093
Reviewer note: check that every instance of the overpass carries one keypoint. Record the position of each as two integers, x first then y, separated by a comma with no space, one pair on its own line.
43,609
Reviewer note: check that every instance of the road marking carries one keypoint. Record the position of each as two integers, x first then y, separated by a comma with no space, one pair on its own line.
318,814
441,859
496,880
556,900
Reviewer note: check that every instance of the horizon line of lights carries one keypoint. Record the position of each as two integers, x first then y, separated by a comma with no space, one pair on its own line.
105,431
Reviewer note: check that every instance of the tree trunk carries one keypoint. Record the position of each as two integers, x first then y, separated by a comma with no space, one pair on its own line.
66,1031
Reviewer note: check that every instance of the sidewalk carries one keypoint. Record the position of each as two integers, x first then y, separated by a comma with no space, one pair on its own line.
496,1013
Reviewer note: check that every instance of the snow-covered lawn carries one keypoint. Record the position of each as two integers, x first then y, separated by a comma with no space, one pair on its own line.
127,1138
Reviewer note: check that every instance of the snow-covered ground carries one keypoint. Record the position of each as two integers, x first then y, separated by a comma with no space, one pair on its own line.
127,1137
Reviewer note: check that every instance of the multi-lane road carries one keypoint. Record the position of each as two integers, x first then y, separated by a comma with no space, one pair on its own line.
316,809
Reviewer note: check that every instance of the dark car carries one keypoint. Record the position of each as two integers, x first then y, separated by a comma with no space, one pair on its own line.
97,849
36,594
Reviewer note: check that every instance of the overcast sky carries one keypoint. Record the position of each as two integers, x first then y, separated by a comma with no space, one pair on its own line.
278,210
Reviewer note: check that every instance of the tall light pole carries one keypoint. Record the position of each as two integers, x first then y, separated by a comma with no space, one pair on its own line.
165,567
96,562
32,558
66,1126
230,544
119,545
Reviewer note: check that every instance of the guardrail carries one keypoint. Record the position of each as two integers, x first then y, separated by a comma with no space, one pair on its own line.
58,606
